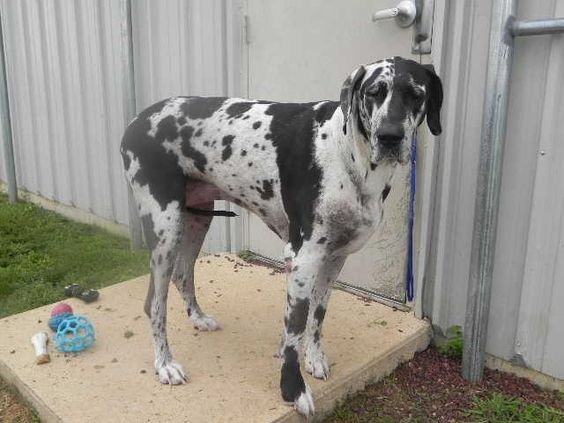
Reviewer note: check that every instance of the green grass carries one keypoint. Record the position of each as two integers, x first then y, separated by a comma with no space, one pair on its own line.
343,413
41,252
499,408
453,343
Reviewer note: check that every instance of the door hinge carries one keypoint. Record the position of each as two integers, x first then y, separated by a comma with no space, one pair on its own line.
423,30
246,36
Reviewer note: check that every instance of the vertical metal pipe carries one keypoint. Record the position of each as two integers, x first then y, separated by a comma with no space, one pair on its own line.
488,189
6,123
129,109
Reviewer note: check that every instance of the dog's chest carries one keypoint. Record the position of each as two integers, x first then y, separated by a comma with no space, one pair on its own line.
350,221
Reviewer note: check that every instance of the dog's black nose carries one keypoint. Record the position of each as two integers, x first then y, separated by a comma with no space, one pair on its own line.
390,135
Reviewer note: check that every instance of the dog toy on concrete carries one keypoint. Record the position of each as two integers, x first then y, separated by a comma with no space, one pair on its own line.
75,290
75,334
59,313
39,341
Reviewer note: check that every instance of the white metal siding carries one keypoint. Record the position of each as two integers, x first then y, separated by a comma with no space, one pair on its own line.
63,61
65,78
526,316
540,334
463,74
181,48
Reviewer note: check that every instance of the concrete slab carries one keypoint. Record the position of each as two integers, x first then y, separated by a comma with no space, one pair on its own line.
233,376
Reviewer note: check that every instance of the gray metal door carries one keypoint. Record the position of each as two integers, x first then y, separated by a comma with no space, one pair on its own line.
303,51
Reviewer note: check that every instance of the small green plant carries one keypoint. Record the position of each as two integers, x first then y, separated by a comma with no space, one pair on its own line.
452,345
499,408
343,413
246,255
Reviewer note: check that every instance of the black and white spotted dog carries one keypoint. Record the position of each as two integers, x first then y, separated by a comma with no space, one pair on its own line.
316,173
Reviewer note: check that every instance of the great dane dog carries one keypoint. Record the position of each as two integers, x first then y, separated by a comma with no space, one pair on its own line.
316,173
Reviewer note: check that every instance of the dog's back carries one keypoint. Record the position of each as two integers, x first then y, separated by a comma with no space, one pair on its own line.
257,154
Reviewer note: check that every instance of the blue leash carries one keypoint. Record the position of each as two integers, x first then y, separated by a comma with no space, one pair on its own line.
411,220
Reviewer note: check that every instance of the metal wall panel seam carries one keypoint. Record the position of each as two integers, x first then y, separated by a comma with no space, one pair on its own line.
7,148
461,20
47,76
86,159
98,113
74,94
41,105
114,122
33,183
63,82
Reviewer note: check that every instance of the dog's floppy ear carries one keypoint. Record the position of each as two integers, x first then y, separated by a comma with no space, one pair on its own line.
434,100
347,93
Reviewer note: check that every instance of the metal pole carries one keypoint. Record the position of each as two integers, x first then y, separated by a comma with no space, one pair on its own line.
538,27
6,123
504,28
129,105
488,189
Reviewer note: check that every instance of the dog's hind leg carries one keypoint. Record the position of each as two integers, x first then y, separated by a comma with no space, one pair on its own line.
315,359
195,229
163,231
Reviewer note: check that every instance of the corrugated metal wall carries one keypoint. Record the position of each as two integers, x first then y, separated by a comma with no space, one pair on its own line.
65,78
525,324
539,335
185,48
64,90
179,48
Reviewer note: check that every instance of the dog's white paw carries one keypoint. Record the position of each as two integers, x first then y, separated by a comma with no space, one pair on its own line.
304,404
204,322
316,364
171,373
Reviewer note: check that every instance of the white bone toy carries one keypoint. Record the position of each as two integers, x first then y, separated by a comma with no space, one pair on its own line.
39,341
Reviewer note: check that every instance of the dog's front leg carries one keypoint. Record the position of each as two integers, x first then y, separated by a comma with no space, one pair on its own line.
315,359
301,279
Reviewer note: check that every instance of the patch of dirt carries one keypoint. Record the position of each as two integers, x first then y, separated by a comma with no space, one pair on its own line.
430,388
12,408
256,260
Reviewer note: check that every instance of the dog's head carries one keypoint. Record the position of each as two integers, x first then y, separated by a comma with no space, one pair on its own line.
385,102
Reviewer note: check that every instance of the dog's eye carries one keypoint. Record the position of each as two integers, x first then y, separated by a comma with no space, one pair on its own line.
414,95
379,92
414,99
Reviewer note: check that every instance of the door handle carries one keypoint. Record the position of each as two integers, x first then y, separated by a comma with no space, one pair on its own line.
404,13
412,12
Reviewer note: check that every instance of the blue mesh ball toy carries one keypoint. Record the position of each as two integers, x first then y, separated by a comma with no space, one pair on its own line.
55,321
75,334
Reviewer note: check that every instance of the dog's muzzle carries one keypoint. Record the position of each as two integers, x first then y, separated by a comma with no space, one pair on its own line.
390,136
388,143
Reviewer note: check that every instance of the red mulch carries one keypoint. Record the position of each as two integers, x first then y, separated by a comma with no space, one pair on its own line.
430,389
